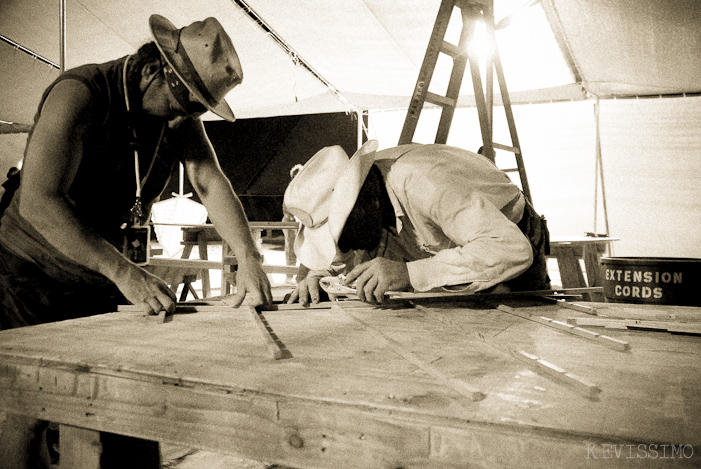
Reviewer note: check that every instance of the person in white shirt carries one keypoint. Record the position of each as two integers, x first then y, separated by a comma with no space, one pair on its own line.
415,216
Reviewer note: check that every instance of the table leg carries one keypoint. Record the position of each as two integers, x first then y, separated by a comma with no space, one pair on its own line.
80,448
187,286
592,258
187,250
202,247
228,275
570,270
290,256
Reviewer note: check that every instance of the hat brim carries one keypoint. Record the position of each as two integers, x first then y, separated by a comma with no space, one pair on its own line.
166,37
348,186
316,248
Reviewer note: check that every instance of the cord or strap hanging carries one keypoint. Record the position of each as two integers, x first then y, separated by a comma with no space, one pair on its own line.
137,211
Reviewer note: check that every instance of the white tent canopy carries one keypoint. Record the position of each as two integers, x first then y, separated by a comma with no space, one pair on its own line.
367,52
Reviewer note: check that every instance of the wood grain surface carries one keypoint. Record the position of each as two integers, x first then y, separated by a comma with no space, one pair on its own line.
369,389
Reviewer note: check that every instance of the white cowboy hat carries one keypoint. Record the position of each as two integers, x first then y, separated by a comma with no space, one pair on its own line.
203,57
322,196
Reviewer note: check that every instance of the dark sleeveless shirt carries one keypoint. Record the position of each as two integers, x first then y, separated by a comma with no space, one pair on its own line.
104,188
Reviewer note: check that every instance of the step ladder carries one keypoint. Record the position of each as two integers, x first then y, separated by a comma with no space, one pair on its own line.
471,12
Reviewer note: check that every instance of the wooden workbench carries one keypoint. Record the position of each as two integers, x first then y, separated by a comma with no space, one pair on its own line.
368,387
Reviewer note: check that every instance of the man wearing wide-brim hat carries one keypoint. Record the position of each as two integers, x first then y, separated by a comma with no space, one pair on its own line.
106,140
414,217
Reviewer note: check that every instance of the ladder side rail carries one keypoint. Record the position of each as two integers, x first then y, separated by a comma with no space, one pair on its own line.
488,15
426,72
454,84
512,129
479,97
506,101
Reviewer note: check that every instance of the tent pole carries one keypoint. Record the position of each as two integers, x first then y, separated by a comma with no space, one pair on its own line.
181,179
597,152
599,172
62,18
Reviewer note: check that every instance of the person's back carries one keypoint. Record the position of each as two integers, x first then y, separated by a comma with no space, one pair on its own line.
457,221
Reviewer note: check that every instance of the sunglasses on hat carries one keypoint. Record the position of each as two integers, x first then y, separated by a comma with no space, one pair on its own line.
181,93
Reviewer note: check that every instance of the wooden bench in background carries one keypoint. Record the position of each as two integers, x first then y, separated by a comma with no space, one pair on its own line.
204,235
569,250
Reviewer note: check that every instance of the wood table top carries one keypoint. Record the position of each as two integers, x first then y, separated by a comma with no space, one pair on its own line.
366,386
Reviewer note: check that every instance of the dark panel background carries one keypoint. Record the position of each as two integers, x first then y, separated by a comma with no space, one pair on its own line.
257,155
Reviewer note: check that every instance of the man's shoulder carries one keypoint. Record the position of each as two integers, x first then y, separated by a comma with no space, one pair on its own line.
96,73
101,79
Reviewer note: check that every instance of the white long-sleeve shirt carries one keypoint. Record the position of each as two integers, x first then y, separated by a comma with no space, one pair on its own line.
456,217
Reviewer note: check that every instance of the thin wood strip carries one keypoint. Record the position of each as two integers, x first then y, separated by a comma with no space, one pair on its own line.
607,341
456,384
215,306
321,305
277,349
192,264
689,328
577,307
486,296
179,309
275,225
651,313
578,384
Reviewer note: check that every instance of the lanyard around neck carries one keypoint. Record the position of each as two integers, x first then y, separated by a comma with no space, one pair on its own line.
136,210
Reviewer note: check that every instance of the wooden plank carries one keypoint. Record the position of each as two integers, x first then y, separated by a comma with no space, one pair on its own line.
581,385
280,269
577,307
665,326
562,376
296,432
649,312
456,384
350,303
180,308
193,264
447,295
204,255
604,340
277,348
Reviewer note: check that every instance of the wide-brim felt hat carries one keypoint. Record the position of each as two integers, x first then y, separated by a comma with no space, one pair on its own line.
321,196
203,58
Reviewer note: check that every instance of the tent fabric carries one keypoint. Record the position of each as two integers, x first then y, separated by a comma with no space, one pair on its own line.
632,47
369,51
